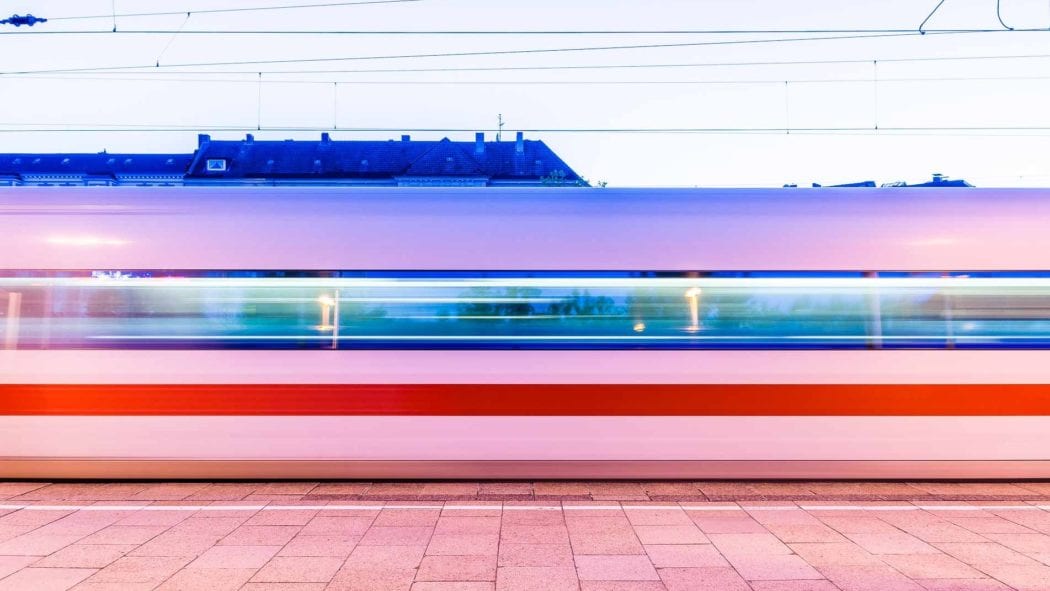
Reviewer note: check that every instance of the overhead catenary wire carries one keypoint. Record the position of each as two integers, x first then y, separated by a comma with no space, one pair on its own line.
924,130
929,16
152,71
452,54
513,32
172,39
114,14
497,52
461,82
999,15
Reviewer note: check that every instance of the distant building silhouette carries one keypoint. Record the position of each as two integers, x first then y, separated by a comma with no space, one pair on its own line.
939,180
404,163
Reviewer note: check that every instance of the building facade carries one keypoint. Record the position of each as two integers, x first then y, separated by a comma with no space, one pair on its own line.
327,162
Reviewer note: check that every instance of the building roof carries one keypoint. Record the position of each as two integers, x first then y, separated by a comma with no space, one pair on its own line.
248,160
100,164
521,160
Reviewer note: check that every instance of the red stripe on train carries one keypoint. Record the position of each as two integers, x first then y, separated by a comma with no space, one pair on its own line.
528,399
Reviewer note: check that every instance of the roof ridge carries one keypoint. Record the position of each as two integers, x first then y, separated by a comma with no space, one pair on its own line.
445,145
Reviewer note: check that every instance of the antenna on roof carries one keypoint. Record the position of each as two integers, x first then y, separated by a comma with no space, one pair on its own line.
499,128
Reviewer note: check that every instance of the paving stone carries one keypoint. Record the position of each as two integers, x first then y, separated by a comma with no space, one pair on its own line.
835,554
298,569
394,557
536,578
615,568
210,579
140,569
982,584
868,578
44,579
512,554
773,567
85,556
453,586
396,536
372,579
125,534
261,535
808,585
463,545
892,543
670,534
931,566
238,557
457,568
684,555
301,545
10,564
702,579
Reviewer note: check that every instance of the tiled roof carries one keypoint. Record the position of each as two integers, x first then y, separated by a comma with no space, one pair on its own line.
94,164
508,160
518,160
444,159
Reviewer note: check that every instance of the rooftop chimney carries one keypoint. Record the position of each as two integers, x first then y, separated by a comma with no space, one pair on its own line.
249,139
202,138
479,143
325,138
519,143
406,138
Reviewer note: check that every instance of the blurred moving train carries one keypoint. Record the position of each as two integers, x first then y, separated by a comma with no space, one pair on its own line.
500,333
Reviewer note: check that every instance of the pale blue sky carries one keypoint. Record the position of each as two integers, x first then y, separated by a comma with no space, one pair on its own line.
816,96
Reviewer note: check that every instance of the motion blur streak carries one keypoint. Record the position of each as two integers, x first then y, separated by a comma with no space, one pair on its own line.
249,309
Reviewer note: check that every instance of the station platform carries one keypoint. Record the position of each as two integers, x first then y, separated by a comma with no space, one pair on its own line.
525,536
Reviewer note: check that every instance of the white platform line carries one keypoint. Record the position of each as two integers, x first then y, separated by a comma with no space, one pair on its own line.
501,507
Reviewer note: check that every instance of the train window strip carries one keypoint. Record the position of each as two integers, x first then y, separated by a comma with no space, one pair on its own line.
244,309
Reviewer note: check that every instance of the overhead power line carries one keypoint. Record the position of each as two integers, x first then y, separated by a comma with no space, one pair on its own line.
999,15
532,51
498,32
153,72
459,82
111,15
929,16
923,130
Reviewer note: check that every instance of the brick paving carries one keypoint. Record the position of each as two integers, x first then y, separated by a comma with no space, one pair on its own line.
523,536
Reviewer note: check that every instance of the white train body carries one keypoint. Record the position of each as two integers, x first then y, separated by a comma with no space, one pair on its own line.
500,333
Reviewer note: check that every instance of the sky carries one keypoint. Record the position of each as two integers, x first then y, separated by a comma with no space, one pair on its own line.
165,107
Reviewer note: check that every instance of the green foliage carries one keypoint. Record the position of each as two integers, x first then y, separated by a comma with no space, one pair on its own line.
556,177
486,301
584,304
